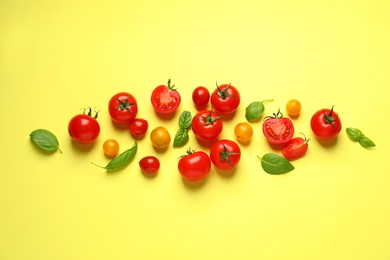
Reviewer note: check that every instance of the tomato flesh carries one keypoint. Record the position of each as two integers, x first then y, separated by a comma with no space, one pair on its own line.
295,148
278,130
165,100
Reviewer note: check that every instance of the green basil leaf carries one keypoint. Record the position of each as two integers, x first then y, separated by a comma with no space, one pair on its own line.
255,110
354,134
181,138
185,120
275,164
121,160
45,140
366,142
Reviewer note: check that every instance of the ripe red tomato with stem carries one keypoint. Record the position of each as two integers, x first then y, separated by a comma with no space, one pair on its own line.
326,124
149,164
138,127
225,154
225,99
207,125
123,108
278,129
195,165
165,98
84,128
295,148
200,97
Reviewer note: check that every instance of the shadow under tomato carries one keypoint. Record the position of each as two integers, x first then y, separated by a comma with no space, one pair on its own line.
226,173
119,126
327,143
82,147
206,144
227,117
149,175
193,185
167,116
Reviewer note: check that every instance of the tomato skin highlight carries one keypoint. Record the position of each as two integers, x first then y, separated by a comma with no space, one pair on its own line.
325,124
225,99
225,154
149,164
160,137
111,148
201,97
194,166
243,132
165,99
295,148
122,108
278,129
207,125
138,127
293,107
83,129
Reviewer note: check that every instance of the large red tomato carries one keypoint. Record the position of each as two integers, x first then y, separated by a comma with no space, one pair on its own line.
123,107
225,99
225,154
194,166
207,125
165,99
84,128
326,124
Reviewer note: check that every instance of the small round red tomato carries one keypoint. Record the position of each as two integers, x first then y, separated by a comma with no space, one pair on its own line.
84,128
243,132
326,124
123,108
138,127
194,166
225,99
111,147
278,129
207,125
160,137
225,154
200,97
165,99
293,107
295,148
149,164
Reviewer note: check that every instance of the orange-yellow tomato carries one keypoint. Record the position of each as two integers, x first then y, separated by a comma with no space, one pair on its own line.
293,107
160,137
243,132
111,147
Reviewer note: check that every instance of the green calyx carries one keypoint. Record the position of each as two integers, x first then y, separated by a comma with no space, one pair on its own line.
209,119
222,93
124,105
329,119
224,155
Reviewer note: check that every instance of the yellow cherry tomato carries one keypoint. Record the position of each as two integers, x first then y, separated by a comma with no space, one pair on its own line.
293,107
243,132
160,137
111,147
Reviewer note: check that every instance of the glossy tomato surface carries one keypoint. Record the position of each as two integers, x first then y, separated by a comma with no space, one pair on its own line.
207,125
325,124
83,129
295,148
160,137
138,127
201,97
278,129
194,166
165,99
225,99
123,108
111,148
149,164
225,154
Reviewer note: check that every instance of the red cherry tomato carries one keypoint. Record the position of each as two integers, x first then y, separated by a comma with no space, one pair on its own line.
194,166
201,97
207,125
138,127
225,154
295,148
326,124
278,129
165,99
149,164
84,129
225,99
123,108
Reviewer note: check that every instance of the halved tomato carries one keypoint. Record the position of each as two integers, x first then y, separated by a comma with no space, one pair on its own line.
278,129
165,99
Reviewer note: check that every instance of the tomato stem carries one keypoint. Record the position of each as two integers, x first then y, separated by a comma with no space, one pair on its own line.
223,93
329,119
225,155
209,119
125,105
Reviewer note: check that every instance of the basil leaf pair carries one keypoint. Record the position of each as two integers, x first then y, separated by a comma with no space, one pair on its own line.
181,136
357,136
45,140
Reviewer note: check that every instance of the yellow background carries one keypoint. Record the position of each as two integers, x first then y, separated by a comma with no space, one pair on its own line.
59,56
